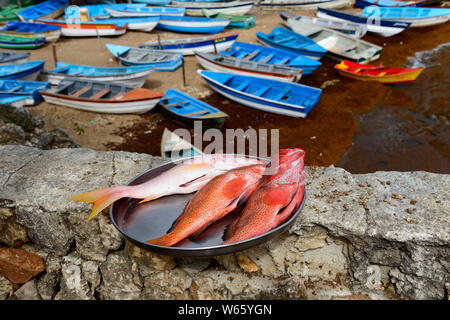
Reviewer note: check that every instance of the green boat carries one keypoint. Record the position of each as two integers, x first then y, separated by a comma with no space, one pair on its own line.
239,22
12,42
8,12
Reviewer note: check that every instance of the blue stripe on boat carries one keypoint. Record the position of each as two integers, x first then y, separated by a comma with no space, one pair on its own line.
385,3
363,20
273,56
15,71
29,27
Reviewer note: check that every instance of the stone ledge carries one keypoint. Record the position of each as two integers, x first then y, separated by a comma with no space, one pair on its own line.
384,234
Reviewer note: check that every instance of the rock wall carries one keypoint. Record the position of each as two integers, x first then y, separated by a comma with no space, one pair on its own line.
384,235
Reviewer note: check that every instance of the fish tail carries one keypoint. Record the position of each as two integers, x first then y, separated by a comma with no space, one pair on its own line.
101,198
167,240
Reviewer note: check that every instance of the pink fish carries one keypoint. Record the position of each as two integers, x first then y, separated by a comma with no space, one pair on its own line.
274,201
186,177
217,198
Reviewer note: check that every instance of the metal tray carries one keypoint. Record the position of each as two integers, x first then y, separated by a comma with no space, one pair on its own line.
140,223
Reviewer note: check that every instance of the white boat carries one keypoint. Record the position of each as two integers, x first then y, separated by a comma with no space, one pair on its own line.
146,24
303,4
102,97
352,29
194,8
134,76
145,12
340,46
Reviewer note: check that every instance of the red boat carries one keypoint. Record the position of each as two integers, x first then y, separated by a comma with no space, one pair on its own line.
366,72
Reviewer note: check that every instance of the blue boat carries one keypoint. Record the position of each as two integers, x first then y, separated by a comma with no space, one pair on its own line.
192,24
19,93
131,76
382,27
45,10
258,53
25,71
159,59
32,30
184,110
280,97
416,17
289,40
387,3
98,10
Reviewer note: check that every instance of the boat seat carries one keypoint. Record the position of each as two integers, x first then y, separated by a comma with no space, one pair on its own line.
280,96
267,58
241,86
175,104
284,40
118,96
161,58
262,91
143,57
15,89
75,72
252,55
196,113
283,61
81,91
100,94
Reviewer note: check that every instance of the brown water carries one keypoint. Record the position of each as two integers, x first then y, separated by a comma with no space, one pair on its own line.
360,126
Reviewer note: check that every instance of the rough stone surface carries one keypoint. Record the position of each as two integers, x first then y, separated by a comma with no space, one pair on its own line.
19,265
6,288
12,233
384,235
28,291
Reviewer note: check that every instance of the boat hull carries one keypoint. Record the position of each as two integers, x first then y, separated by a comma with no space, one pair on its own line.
117,107
192,26
123,14
87,29
309,5
50,36
240,8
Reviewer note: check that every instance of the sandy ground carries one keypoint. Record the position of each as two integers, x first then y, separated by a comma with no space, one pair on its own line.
326,133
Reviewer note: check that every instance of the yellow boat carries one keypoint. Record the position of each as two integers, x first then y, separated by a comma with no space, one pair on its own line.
365,72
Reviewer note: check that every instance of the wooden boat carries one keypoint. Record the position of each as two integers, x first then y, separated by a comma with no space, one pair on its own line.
291,99
342,45
87,28
20,93
25,71
45,10
382,27
185,110
387,3
174,147
146,24
13,57
95,11
381,74
192,24
302,4
237,21
145,12
352,29
13,42
131,76
258,53
31,30
230,7
187,46
416,17
102,97
224,63
288,40
153,2
158,59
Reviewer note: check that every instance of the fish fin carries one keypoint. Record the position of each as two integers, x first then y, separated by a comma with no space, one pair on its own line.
148,199
287,211
167,240
101,198
229,230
